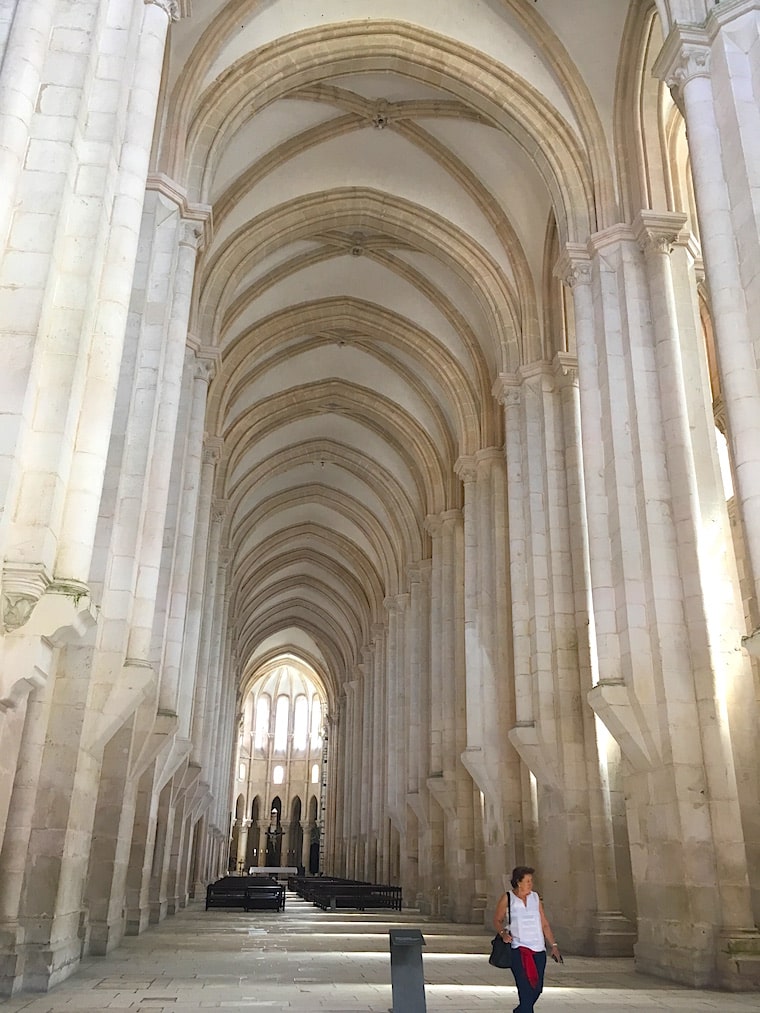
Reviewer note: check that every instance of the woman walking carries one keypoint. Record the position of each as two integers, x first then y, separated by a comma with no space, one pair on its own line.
520,920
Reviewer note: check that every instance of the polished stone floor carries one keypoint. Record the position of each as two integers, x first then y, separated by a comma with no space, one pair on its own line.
310,961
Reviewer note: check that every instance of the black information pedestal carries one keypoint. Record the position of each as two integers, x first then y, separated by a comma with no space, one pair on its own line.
407,981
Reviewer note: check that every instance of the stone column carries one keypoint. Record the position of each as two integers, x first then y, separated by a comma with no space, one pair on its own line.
20,76
705,540
368,759
107,309
170,687
218,637
421,801
714,72
452,786
551,734
212,602
197,584
17,835
397,675
162,448
614,920
352,778
377,860
434,764
655,681
493,765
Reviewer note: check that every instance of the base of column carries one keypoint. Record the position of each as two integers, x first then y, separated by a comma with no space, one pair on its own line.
734,967
175,904
612,935
158,912
11,973
105,936
738,962
138,920
47,966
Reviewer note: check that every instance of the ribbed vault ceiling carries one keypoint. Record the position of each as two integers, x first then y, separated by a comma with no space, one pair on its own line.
383,178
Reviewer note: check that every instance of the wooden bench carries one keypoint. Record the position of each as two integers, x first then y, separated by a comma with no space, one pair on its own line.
331,894
251,893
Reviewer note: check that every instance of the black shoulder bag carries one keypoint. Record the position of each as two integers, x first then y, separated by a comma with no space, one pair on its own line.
501,952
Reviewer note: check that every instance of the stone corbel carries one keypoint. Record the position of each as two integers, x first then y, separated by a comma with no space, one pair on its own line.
443,790
154,742
483,773
417,802
132,686
22,587
173,758
538,756
615,704
60,610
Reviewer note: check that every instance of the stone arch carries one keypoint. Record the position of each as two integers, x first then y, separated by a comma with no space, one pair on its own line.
500,95
360,208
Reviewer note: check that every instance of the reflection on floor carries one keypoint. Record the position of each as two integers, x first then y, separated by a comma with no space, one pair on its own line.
320,962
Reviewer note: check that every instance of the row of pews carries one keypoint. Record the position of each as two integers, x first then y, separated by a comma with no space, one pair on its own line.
251,893
330,893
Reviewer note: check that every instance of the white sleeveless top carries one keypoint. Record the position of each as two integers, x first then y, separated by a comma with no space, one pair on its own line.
525,923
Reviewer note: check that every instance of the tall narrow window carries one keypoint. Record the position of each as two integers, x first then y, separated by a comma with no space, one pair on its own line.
316,723
262,722
300,722
315,774
281,724
278,774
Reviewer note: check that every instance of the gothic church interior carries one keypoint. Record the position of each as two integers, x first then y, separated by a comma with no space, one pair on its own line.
380,464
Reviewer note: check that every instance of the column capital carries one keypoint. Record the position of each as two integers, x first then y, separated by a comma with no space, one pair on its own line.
207,360
574,265
466,468
367,654
565,369
219,509
658,232
212,449
199,216
435,523
685,56
507,390
169,7
396,604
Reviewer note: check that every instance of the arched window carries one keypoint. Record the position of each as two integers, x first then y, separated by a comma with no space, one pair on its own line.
278,774
316,723
300,722
262,722
281,724
315,774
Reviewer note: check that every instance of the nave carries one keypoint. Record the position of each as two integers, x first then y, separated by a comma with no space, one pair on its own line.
313,961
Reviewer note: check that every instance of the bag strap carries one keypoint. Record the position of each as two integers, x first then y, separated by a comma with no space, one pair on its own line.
509,911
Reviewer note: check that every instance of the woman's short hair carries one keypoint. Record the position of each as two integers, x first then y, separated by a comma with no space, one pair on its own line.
520,872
